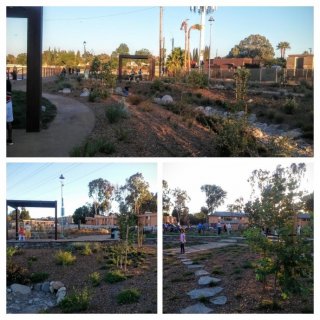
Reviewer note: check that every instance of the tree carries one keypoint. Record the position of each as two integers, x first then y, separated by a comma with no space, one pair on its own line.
132,196
283,46
122,49
23,214
215,196
11,59
238,205
21,59
241,78
254,46
180,204
81,213
143,52
166,200
175,61
101,191
277,199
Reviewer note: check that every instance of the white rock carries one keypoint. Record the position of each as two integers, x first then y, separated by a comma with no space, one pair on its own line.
118,90
19,288
66,90
167,99
85,92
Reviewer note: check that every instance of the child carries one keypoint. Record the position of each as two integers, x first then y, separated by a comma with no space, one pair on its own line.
21,233
182,240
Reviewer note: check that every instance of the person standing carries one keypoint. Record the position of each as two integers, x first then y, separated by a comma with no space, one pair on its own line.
22,233
28,231
9,113
182,240
298,230
219,227
229,227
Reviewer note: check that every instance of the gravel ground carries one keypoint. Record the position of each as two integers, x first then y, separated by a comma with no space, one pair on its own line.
76,277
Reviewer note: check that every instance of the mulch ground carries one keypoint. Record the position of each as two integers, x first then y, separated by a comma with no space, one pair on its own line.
103,297
233,266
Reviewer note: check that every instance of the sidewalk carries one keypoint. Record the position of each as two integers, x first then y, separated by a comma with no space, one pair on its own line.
73,123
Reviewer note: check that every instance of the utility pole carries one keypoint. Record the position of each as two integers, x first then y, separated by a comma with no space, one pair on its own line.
160,42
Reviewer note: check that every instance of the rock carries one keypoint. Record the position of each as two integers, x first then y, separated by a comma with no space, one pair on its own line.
187,262
240,114
196,308
19,288
219,300
118,90
195,266
43,108
167,99
219,87
201,273
85,93
205,292
61,294
66,90
55,286
252,118
45,287
205,280
200,109
157,100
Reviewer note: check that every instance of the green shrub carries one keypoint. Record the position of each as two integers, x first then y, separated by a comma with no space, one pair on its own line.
16,274
116,112
64,258
91,147
86,250
196,79
114,276
290,105
95,278
76,302
122,134
157,85
128,296
39,277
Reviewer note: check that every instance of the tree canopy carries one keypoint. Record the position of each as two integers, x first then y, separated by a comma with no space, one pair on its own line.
254,46
215,196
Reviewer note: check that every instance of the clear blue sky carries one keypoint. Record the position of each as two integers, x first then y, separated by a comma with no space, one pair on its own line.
104,28
40,181
230,174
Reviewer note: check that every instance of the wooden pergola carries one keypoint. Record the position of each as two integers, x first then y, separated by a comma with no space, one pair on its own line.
137,57
34,15
33,204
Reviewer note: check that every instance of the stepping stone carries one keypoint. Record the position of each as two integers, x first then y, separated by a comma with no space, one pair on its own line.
201,273
221,300
205,292
187,262
196,308
195,266
205,280
183,260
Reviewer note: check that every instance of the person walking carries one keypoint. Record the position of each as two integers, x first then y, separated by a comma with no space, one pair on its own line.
182,240
9,113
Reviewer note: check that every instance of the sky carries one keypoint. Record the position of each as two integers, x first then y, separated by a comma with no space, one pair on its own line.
104,28
40,181
231,176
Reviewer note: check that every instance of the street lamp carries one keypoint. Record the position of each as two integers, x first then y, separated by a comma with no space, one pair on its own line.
209,74
61,178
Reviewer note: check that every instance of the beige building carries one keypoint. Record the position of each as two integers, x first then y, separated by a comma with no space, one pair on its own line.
148,219
238,220
169,220
98,220
300,61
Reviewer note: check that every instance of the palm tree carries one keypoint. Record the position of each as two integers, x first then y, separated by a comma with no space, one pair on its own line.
184,26
175,60
283,46
202,10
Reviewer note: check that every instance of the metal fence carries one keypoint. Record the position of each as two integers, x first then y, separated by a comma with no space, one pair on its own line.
21,72
267,74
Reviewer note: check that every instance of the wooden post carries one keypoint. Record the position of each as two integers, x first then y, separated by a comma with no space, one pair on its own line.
55,222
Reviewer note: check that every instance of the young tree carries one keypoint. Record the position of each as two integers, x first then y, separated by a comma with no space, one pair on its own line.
81,213
166,200
215,196
101,191
180,199
277,201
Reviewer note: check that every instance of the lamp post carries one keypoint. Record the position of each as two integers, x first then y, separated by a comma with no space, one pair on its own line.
61,178
209,74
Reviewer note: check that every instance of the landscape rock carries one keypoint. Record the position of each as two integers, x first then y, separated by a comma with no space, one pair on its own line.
19,288
55,286
66,90
61,294
205,280
205,292
187,262
196,308
167,99
202,272
195,266
118,90
221,300
85,92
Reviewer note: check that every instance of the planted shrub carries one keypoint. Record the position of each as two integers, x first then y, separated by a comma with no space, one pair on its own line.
114,276
290,105
95,278
76,302
91,147
128,296
197,79
116,112
64,258
86,251
16,274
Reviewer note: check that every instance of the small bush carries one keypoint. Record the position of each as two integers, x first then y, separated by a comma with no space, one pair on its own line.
39,277
64,258
95,278
128,296
197,79
290,105
114,276
76,302
116,112
122,134
16,274
92,147
157,85
86,251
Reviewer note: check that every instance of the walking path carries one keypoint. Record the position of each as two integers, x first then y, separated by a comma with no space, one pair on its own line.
73,123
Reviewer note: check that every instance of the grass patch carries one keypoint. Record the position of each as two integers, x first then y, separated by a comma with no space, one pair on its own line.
128,296
76,302
95,278
86,250
217,270
19,101
116,112
64,258
91,147
37,277
114,276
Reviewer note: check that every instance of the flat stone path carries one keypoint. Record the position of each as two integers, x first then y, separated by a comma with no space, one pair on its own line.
73,123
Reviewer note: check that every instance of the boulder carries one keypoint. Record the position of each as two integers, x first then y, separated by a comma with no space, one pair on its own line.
55,286
19,288
205,292
85,92
61,293
167,99
221,300
66,90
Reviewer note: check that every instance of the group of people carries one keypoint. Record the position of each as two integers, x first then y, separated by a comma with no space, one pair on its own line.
24,232
133,76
